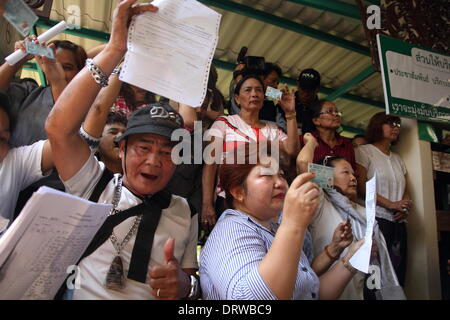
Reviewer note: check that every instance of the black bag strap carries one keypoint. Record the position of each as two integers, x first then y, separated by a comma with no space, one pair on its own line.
101,185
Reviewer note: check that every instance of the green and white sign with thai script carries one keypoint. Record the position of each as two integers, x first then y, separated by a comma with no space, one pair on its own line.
416,80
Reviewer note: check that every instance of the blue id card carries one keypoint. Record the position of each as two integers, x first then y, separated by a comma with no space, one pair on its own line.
38,50
20,15
324,175
273,93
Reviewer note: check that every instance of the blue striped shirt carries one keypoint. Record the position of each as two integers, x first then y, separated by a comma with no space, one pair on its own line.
230,258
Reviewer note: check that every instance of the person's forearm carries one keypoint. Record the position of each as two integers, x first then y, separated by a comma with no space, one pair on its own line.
284,254
98,114
57,89
322,262
74,102
305,156
292,142
383,202
334,281
208,179
7,73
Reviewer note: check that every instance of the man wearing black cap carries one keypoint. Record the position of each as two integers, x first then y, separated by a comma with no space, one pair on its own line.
146,249
308,84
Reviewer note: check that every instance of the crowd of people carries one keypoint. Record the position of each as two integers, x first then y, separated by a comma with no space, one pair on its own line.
267,230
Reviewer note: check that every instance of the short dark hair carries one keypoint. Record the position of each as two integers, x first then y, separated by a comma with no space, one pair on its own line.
237,89
270,67
78,51
316,108
128,94
116,117
374,132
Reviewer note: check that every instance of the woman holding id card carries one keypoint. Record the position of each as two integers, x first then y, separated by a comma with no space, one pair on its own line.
338,208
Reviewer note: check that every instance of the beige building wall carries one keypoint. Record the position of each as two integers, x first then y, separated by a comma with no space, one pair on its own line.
422,279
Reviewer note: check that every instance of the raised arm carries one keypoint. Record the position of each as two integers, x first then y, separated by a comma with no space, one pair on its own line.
70,151
292,144
7,71
301,202
98,114
306,154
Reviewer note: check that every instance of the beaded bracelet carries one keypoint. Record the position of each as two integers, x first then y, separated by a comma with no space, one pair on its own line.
92,142
97,73
117,70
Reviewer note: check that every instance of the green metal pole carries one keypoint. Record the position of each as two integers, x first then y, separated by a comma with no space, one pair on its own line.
334,6
351,83
288,25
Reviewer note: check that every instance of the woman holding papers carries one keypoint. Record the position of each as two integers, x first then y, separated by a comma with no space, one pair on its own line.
338,206
244,128
393,202
248,256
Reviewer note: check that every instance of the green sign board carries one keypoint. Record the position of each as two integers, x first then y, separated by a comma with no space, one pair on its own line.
416,80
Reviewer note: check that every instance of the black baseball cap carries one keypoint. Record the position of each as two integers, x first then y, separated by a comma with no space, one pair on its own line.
157,118
309,79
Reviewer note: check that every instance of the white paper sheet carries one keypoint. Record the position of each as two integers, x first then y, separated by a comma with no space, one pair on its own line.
361,258
170,51
51,233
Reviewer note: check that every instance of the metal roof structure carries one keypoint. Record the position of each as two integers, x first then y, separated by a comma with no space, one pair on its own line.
326,35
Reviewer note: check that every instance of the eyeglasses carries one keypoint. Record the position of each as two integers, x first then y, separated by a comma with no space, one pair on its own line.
394,124
332,112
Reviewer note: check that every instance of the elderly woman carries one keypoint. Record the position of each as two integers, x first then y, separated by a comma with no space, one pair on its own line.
244,128
246,250
393,203
327,119
339,206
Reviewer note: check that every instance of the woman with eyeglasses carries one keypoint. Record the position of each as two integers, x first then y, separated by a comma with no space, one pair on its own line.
327,119
393,202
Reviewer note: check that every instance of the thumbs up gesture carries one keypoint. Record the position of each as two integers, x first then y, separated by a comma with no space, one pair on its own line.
168,281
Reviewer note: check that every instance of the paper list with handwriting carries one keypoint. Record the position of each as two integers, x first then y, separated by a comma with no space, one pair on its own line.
361,258
50,234
170,52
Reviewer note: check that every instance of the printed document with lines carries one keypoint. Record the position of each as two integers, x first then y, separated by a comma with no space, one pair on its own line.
50,234
170,52
361,258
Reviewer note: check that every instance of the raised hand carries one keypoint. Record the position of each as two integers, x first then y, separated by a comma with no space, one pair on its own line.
20,45
287,100
166,279
121,19
301,201
342,237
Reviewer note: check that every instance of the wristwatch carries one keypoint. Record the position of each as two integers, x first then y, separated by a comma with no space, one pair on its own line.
194,288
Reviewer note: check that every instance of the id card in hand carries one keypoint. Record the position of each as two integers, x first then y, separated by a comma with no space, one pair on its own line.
273,93
38,50
20,15
324,175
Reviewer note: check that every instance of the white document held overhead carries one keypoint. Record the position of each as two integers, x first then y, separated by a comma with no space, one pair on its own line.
50,234
361,258
170,52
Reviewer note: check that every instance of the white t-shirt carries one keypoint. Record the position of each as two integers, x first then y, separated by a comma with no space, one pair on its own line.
322,229
390,171
20,168
175,222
